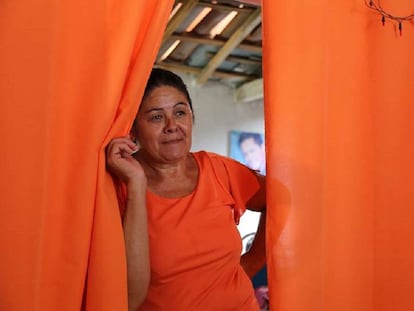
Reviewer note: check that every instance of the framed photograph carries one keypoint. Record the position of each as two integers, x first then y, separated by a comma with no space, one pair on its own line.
249,149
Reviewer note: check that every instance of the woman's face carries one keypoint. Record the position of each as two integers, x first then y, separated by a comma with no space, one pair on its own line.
164,124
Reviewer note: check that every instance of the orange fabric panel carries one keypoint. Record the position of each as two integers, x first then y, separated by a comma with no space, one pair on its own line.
71,74
338,102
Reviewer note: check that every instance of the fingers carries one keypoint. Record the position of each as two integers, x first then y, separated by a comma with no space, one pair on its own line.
121,147
237,213
117,151
120,162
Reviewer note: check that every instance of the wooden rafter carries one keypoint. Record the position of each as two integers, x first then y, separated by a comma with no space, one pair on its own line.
239,59
249,24
178,18
216,42
217,74
250,91
226,8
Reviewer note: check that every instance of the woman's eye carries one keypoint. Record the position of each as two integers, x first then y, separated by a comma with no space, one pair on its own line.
157,117
180,113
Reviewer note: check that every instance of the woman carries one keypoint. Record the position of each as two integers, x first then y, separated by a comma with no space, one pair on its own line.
193,202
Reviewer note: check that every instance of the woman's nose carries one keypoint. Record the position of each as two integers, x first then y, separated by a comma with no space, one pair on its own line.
170,125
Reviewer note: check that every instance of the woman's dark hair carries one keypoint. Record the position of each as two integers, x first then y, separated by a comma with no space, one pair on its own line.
160,77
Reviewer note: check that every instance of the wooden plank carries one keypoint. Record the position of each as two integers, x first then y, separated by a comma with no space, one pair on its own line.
178,18
250,91
226,8
239,59
215,42
194,70
249,24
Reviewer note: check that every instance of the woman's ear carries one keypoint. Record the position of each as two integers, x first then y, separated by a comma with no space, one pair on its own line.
133,137
132,133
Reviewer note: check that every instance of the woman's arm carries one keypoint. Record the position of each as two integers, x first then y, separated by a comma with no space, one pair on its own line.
255,259
136,244
122,165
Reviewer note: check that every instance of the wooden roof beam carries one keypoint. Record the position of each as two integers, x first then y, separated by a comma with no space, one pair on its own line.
250,91
179,17
239,59
248,25
196,71
226,8
217,42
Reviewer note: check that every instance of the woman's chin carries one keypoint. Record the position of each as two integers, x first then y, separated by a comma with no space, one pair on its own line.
174,155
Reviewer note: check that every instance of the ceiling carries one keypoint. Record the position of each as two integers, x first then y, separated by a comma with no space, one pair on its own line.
191,44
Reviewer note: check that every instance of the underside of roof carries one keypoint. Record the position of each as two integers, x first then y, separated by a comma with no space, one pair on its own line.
214,40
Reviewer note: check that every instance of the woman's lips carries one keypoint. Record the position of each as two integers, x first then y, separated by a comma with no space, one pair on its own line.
173,141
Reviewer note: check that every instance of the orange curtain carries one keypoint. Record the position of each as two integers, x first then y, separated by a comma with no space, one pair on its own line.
71,75
338,101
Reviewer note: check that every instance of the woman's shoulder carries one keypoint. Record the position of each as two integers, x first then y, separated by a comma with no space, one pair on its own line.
211,162
220,164
203,154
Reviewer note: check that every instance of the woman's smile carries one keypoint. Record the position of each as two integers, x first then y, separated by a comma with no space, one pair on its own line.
173,141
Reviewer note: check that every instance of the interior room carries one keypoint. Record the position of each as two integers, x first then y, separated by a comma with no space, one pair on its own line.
323,88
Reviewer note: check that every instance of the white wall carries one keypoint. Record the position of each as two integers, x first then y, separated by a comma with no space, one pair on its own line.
216,114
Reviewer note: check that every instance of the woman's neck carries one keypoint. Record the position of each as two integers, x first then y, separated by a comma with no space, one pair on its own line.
155,168
171,179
